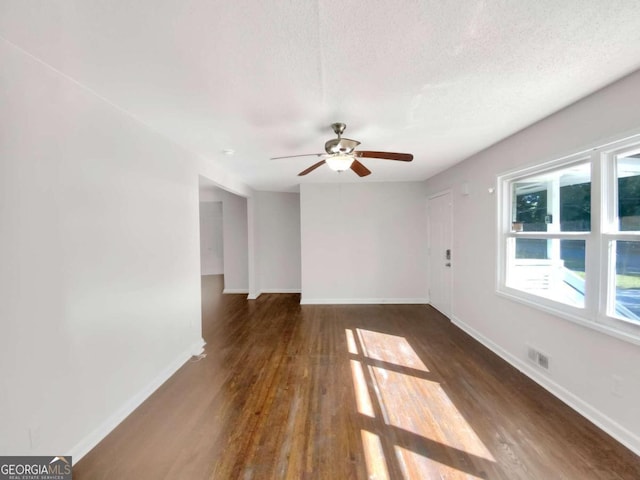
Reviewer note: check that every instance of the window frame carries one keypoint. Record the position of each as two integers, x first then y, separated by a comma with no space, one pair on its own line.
600,278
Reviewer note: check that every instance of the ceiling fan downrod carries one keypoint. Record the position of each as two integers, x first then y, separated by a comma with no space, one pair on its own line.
338,128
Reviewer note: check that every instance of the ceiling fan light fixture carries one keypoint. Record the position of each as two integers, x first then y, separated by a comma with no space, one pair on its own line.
340,162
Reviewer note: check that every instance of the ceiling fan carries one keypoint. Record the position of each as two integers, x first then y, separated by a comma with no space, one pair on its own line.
341,155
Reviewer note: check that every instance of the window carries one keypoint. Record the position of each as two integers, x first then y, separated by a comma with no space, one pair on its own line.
570,237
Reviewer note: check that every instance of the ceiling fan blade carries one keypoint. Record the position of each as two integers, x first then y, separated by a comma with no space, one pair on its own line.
402,157
360,169
304,155
312,168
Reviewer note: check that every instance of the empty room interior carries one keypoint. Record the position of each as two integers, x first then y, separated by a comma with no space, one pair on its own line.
321,239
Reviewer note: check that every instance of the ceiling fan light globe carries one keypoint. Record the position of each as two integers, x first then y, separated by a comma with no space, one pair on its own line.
339,162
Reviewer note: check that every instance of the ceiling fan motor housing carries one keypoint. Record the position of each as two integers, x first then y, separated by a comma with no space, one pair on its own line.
340,145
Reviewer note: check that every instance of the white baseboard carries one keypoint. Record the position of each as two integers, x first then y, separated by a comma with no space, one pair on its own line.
235,290
363,301
280,290
204,273
92,439
253,296
617,431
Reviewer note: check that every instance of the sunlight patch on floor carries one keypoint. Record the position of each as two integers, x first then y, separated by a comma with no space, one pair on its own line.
414,465
363,400
374,456
418,412
390,348
422,407
351,342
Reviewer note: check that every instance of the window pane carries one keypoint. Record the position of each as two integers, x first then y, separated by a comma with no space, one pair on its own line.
575,206
552,269
628,175
531,205
627,280
531,248
557,201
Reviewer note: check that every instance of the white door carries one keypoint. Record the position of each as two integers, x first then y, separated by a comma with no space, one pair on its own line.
440,253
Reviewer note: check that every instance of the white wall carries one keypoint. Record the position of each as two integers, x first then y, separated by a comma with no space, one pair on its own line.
209,193
235,243
582,360
211,243
278,241
99,255
363,243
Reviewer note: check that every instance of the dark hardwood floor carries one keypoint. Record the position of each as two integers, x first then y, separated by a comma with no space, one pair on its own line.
349,392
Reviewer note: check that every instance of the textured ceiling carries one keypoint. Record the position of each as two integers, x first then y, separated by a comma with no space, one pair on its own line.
441,80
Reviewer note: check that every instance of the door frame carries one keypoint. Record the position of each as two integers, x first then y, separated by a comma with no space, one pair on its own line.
448,191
